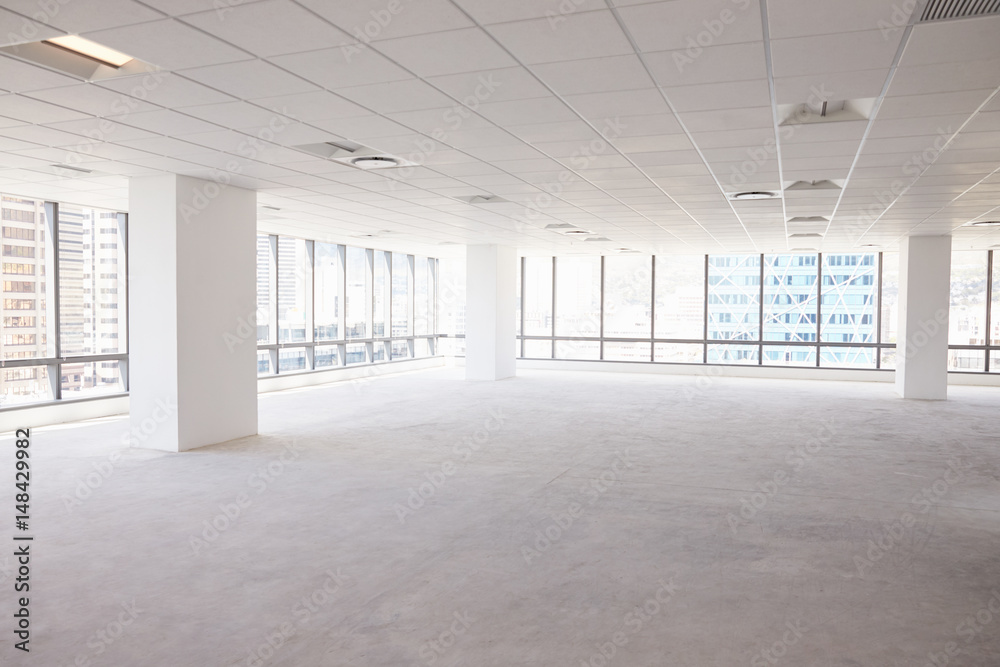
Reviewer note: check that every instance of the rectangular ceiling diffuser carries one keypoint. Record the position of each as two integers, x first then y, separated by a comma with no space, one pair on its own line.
939,10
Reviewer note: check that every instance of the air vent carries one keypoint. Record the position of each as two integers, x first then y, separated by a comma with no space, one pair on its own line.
483,199
560,225
805,236
826,111
808,218
813,185
939,10
599,239
355,155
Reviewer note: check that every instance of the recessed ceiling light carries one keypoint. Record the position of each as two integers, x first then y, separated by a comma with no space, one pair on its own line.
89,49
576,232
374,162
753,195
271,208
985,223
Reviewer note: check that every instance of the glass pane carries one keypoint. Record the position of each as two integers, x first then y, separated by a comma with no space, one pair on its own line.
732,354
626,351
28,326
679,353
790,303
379,352
995,361
890,296
24,385
517,299
400,349
850,290
628,293
966,360
733,301
401,325
357,353
538,297
888,358
329,290
847,357
578,296
381,293
789,355
451,296
358,293
291,360
680,297
91,379
995,307
264,363
537,349
421,286
265,278
421,348
326,356
967,317
91,281
578,349
293,272
455,347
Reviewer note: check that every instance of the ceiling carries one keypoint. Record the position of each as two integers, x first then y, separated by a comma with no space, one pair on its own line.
631,120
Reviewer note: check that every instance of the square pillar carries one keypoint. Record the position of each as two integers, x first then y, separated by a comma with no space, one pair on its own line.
192,309
924,301
491,286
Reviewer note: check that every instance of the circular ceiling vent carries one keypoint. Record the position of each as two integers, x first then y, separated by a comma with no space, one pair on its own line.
374,162
753,195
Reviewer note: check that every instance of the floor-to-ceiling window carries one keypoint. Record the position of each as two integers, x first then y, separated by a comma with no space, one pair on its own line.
973,327
337,305
795,309
63,314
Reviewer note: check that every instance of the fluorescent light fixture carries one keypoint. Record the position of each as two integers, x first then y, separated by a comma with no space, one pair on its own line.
374,162
576,232
985,223
89,49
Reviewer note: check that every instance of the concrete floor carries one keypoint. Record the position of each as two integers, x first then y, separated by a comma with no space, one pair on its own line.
662,520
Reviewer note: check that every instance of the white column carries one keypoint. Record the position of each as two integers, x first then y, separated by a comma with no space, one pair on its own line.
491,283
924,298
192,312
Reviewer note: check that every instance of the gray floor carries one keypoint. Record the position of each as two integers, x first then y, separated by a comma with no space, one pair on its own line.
663,520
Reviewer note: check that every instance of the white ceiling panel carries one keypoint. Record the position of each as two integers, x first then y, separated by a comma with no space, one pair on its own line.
449,52
168,44
574,36
338,67
250,79
659,26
